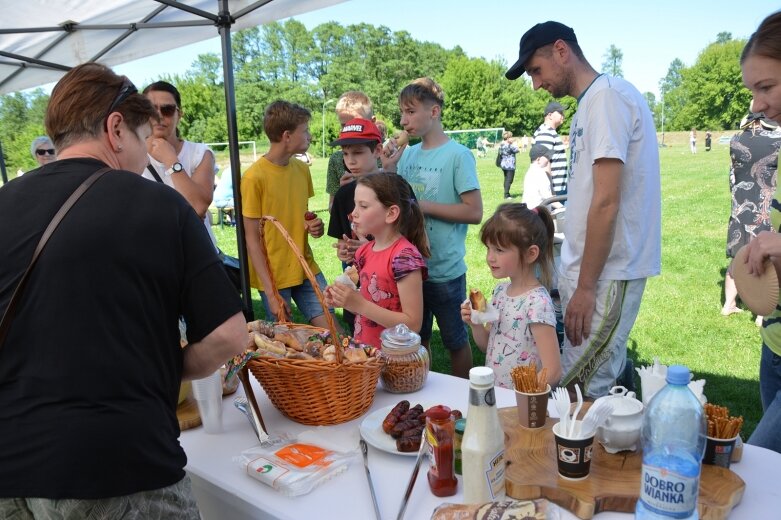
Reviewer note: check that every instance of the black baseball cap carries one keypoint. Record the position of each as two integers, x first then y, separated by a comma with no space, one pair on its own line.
538,36
540,150
554,106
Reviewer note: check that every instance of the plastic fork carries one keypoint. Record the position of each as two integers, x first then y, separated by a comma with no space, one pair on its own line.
561,400
595,417
576,412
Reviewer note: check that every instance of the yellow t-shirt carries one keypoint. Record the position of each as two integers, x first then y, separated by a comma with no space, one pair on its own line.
282,192
771,325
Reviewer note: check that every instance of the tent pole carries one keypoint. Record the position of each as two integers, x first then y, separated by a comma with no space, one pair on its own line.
224,22
3,173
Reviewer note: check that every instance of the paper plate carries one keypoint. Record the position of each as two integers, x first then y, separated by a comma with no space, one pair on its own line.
759,293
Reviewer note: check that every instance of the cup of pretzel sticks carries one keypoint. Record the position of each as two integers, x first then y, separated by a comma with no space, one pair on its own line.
531,395
723,431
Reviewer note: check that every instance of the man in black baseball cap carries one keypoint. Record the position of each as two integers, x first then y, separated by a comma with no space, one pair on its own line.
612,242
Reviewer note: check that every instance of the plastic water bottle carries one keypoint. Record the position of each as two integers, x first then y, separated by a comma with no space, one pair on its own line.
673,439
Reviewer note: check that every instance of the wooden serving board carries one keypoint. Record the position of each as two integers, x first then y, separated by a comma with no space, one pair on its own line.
188,414
613,483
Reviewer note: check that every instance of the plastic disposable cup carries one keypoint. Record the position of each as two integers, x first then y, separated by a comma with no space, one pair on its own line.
532,408
573,455
208,394
718,452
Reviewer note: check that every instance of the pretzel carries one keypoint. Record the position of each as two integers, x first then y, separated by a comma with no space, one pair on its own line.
720,424
526,380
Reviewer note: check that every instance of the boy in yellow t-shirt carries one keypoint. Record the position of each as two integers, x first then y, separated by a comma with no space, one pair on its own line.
280,185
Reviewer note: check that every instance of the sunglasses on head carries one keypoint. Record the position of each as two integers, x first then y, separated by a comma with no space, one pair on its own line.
125,91
44,151
166,110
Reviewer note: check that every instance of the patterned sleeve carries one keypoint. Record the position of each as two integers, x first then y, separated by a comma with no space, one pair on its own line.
407,261
334,173
540,309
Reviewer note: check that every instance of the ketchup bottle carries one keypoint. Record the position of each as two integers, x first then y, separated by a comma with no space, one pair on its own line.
440,431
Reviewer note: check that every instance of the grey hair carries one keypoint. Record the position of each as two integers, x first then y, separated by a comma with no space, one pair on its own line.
39,141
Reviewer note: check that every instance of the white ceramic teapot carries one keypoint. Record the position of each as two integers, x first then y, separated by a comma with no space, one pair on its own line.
621,430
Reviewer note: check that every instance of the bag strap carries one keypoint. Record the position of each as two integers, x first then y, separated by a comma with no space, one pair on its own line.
154,172
10,311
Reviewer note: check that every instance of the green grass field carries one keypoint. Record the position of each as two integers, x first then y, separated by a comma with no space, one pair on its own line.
679,319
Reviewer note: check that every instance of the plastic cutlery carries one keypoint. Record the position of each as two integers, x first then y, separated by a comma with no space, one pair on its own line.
577,411
595,417
561,400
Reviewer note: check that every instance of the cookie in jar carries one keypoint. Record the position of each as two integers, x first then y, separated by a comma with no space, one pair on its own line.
405,361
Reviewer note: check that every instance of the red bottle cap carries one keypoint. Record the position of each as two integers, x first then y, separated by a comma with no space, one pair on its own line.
438,412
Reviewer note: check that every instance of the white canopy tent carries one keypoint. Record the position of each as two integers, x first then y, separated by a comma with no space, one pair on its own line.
40,40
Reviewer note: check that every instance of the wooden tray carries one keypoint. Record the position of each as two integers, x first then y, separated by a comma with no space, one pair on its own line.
188,414
612,485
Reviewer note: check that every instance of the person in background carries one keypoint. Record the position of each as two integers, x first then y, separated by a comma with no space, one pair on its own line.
481,145
614,197
91,366
537,181
183,165
43,150
547,135
223,196
391,266
708,140
350,105
693,141
761,66
508,151
519,241
443,176
279,185
752,181
525,143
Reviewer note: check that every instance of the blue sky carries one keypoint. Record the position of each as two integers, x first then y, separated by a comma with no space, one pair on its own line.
650,34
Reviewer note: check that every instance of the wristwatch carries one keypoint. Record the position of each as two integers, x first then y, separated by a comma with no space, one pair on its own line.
175,167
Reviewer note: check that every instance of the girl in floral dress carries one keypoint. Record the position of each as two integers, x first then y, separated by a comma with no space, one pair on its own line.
520,247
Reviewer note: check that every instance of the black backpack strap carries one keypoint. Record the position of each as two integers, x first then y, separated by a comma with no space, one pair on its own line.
154,172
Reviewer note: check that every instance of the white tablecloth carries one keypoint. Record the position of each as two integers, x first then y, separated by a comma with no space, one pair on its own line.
225,492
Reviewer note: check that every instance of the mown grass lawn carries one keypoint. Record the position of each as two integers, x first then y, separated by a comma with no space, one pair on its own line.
679,319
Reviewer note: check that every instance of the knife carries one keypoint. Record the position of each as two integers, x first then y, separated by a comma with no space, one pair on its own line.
412,478
365,451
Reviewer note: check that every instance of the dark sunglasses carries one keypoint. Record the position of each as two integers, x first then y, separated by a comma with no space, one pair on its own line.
166,110
125,91
44,151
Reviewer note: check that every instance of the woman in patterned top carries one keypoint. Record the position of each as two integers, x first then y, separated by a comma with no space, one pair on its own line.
761,64
519,242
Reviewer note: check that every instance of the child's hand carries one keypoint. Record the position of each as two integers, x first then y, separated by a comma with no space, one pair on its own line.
391,153
466,312
315,227
343,252
344,297
347,178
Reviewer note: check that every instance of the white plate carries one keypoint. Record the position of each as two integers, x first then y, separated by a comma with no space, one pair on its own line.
372,432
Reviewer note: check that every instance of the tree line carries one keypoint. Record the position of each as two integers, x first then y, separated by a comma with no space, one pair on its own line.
313,67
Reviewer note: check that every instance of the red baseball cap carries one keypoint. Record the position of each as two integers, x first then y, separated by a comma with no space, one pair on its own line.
358,131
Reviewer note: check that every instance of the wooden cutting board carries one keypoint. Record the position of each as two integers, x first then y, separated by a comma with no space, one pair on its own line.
612,485
188,414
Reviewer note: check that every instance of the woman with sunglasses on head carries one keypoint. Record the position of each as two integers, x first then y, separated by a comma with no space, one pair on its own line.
761,66
91,365
43,150
185,166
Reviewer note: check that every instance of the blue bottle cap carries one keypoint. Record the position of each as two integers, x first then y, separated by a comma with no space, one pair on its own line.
678,375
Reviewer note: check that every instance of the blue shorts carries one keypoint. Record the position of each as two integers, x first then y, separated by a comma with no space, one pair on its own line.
304,296
443,301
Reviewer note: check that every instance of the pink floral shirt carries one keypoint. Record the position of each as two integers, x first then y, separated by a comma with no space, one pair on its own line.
510,340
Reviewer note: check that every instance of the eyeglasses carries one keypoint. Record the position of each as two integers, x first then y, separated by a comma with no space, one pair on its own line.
44,151
125,91
166,110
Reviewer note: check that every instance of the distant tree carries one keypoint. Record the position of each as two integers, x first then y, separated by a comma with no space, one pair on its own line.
673,97
473,89
612,61
723,37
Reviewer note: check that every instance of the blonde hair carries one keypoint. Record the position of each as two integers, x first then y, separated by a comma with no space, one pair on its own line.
423,90
355,103
507,134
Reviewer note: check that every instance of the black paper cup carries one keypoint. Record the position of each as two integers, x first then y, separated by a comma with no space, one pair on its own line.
718,452
573,456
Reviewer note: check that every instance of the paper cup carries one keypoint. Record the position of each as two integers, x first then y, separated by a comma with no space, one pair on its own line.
573,456
718,452
208,394
532,408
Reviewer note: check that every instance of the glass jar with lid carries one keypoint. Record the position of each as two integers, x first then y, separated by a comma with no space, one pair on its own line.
405,360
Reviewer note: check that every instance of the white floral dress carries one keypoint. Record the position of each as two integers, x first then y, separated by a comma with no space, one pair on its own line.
510,340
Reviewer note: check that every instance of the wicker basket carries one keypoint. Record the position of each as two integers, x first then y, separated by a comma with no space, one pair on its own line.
315,392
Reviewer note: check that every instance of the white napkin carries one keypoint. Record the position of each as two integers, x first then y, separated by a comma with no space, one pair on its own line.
345,280
490,315
653,379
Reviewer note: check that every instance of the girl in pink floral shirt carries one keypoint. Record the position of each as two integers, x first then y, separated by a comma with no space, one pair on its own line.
520,244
